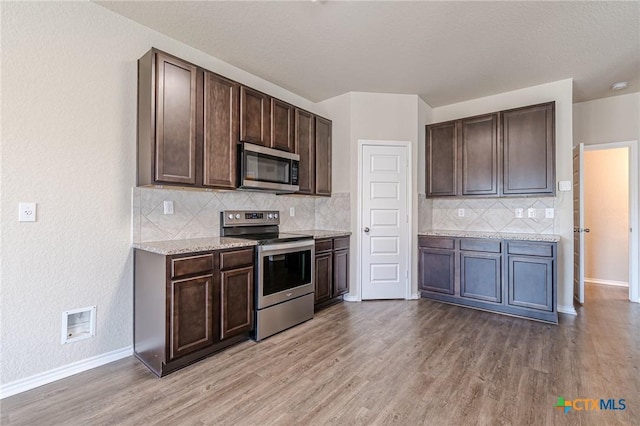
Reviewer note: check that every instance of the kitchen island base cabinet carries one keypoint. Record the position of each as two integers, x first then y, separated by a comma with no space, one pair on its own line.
189,306
331,270
504,276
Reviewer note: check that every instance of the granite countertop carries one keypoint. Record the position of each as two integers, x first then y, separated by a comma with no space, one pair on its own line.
551,238
322,233
192,245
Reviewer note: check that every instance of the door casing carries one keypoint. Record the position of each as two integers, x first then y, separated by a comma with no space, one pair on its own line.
634,221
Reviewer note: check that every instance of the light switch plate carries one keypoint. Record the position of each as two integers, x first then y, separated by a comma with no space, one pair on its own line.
292,211
519,213
564,185
460,212
168,207
26,212
531,213
549,213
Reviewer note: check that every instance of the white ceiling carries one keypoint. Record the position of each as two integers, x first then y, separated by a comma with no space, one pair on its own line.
446,52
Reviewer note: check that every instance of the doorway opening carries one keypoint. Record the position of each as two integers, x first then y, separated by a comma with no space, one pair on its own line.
609,221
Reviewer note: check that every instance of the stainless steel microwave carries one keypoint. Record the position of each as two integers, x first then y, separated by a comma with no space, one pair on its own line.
267,169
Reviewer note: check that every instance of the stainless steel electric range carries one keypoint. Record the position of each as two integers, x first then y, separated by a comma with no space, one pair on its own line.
284,269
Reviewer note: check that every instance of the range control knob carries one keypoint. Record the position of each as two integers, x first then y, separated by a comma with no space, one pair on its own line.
270,215
230,216
238,216
275,215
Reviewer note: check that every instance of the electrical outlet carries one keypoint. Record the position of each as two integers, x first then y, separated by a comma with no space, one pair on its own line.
168,207
292,211
26,212
531,213
460,212
519,213
549,213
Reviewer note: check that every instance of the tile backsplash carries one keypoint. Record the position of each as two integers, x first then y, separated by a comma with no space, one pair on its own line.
486,214
197,213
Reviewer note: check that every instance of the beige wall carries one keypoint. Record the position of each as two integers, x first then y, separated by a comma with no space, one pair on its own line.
375,116
561,92
69,79
614,119
606,213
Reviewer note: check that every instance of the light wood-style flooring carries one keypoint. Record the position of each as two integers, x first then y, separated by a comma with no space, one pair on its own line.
383,362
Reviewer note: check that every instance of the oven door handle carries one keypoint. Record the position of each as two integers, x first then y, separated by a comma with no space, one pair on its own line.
305,244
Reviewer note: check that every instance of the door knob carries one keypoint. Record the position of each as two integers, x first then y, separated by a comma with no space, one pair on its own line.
366,230
587,230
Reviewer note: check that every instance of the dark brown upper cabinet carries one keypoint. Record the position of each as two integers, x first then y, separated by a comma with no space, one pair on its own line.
466,157
220,133
282,136
190,121
442,152
255,117
479,151
323,156
305,141
166,120
187,124
528,137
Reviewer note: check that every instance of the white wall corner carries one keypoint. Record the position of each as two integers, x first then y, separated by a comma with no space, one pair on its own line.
59,373
414,296
352,298
567,309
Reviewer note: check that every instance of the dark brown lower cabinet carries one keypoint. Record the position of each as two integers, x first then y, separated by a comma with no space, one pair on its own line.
237,302
472,272
189,306
191,321
331,270
437,270
324,274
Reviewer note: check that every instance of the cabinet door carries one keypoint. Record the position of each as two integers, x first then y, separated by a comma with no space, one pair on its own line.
255,117
191,310
441,151
529,150
220,131
236,296
175,139
305,142
324,276
479,151
530,282
282,126
481,276
437,270
340,272
323,156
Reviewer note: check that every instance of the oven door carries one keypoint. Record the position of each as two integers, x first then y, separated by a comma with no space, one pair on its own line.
285,271
268,169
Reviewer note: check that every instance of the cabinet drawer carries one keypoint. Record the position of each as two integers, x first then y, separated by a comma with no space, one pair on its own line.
530,249
436,242
490,246
340,243
324,245
236,259
191,265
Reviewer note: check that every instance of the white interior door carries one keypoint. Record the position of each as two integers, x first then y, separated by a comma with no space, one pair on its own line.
578,223
385,222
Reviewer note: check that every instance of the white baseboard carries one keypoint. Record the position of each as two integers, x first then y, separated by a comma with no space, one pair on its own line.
50,376
350,298
414,296
567,309
607,282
